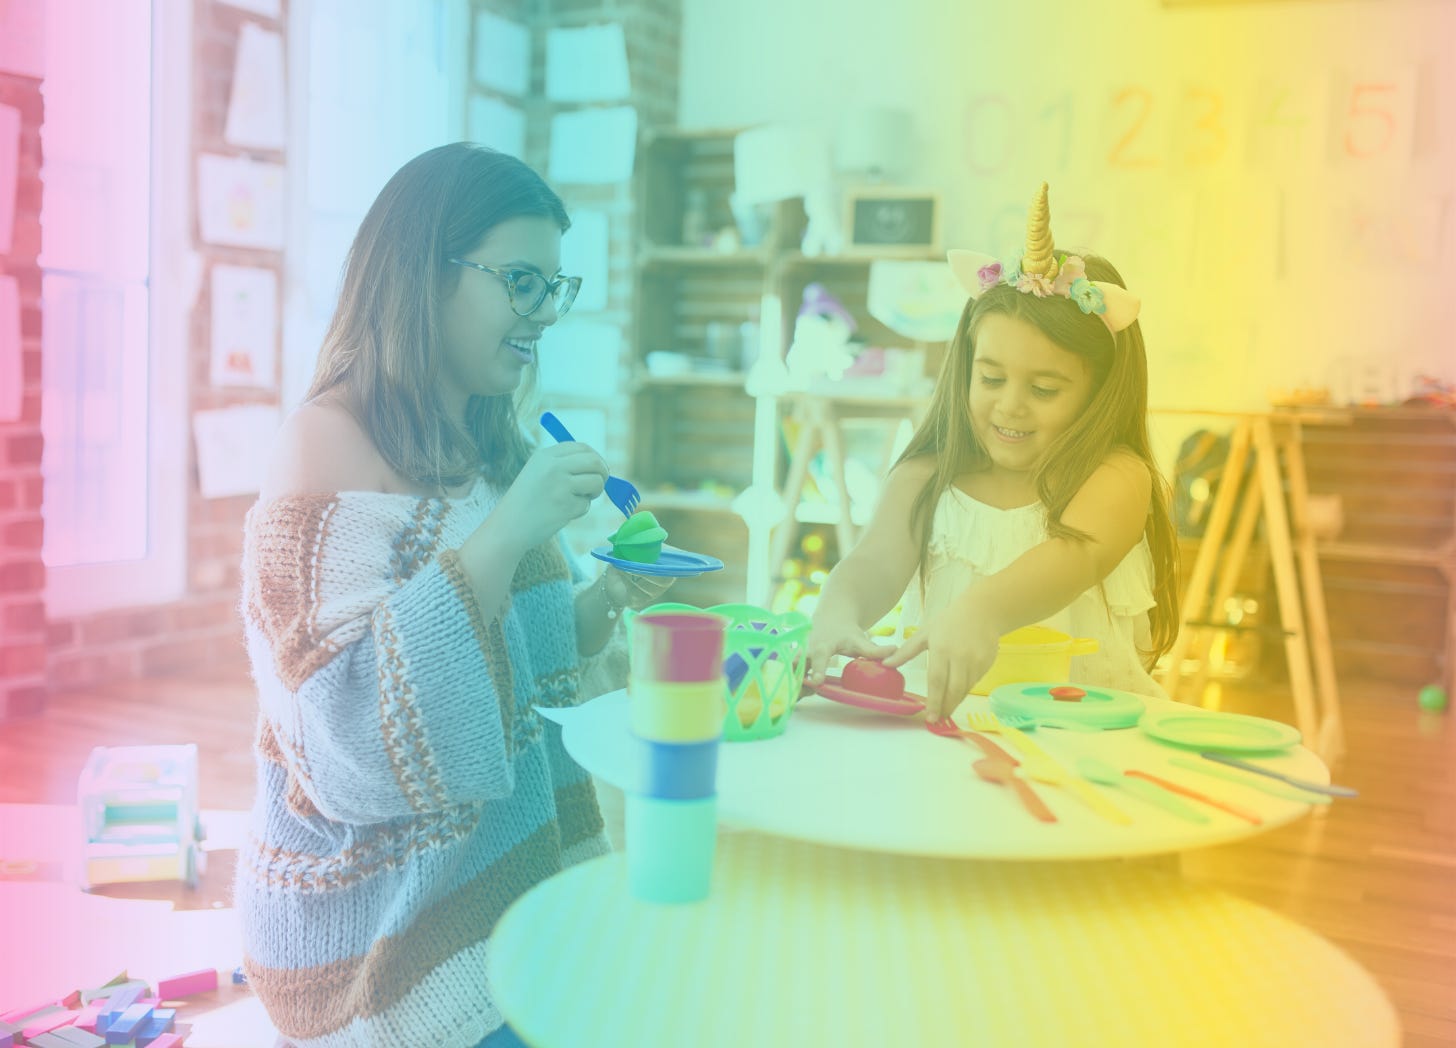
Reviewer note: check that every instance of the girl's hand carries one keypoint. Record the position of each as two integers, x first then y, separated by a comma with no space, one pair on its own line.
555,486
628,590
961,651
830,636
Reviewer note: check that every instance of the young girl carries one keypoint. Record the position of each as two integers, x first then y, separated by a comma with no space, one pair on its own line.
1028,495
407,605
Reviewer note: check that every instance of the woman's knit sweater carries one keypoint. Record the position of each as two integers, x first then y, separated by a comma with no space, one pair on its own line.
408,791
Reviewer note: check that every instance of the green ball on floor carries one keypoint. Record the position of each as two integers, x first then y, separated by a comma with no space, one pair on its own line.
1432,697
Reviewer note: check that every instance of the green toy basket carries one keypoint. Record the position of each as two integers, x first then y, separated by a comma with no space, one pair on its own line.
764,656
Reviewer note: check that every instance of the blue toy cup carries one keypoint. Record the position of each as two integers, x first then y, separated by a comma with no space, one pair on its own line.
670,848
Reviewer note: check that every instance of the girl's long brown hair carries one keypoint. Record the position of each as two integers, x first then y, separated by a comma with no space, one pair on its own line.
1115,418
382,350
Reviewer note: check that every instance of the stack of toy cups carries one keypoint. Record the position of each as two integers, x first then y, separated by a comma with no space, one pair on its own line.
677,697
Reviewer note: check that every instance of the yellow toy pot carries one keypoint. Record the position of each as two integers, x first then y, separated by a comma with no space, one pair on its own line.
1032,654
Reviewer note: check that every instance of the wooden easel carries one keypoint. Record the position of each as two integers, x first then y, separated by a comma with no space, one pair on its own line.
1293,559
819,417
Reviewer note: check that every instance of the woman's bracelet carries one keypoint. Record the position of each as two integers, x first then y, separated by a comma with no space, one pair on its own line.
613,608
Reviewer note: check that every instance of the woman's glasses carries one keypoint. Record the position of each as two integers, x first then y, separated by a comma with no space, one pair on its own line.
528,289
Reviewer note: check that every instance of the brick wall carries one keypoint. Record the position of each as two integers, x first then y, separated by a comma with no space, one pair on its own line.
201,632
22,575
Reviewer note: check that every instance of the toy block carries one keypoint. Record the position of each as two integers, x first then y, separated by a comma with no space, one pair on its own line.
7,1035
124,1029
45,1040
89,1014
162,1021
108,988
17,1016
74,1037
186,985
46,1022
122,1000
71,1000
167,1040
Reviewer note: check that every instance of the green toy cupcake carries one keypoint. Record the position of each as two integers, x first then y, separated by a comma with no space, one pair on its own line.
639,539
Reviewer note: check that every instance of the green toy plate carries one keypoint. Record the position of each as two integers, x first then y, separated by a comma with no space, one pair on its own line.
1225,732
1099,709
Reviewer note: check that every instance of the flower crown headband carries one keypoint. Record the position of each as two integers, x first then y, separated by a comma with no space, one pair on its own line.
1043,274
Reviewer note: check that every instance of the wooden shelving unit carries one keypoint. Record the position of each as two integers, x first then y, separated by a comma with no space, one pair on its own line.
699,427
1390,573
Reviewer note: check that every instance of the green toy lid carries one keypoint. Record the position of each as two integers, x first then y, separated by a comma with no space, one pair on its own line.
1095,708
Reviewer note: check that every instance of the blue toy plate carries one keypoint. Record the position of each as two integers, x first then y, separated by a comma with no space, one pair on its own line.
673,563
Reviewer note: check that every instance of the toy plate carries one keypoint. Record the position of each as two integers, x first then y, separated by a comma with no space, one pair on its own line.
905,706
1224,732
1099,708
673,563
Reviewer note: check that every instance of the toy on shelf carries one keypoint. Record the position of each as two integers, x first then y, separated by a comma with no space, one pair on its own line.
139,813
822,331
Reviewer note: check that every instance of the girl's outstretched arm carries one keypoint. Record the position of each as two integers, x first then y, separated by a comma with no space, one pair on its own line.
866,584
1111,511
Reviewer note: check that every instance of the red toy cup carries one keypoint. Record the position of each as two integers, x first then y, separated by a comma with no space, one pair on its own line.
678,647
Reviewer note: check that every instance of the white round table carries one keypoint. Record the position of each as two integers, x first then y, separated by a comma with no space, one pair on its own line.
801,946
858,779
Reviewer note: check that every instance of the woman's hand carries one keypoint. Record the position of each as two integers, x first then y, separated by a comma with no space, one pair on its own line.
832,635
961,650
625,589
555,486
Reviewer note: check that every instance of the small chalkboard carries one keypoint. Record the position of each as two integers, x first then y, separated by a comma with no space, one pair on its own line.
893,222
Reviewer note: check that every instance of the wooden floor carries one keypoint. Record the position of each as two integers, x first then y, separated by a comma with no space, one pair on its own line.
1375,875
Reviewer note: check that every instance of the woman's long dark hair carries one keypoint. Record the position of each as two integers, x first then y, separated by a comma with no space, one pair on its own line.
1115,418
382,351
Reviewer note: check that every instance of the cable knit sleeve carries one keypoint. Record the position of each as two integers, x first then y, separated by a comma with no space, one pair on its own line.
384,693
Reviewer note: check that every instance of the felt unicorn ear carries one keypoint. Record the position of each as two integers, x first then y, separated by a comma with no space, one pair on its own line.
974,271
1122,305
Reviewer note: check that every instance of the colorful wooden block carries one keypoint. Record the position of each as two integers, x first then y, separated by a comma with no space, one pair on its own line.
162,1020
167,1040
125,1028
186,985
75,1037
46,1022
17,1016
45,1040
71,1000
121,1000
89,1014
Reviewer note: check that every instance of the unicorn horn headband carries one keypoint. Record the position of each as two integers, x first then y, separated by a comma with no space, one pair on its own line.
1042,274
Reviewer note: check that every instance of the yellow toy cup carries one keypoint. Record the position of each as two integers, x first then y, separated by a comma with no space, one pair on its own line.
1030,655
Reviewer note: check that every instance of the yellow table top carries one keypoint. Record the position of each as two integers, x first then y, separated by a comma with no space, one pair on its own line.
802,945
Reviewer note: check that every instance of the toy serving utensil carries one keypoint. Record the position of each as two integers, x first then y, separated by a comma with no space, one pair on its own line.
1304,784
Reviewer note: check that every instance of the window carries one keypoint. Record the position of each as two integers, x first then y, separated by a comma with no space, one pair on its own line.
114,255
367,94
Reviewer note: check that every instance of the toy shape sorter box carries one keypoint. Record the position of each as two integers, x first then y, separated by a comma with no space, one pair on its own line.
139,813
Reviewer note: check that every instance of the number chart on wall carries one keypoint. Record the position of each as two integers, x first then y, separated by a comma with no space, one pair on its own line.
1335,142
1226,192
